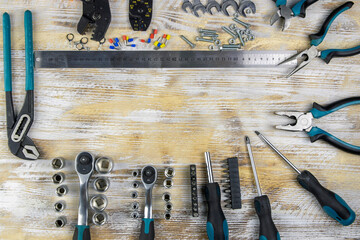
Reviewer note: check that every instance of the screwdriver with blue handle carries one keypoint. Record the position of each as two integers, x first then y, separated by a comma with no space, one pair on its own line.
268,230
216,226
331,203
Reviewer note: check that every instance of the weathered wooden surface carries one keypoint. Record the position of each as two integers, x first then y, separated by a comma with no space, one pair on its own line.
170,117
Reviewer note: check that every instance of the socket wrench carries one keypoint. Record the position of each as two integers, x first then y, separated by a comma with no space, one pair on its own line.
148,178
84,166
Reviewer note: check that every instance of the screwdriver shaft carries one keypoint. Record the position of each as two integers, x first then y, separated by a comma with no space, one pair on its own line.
248,145
209,167
277,151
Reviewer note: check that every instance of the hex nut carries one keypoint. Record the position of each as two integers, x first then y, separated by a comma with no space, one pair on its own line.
169,172
166,197
135,215
135,205
167,216
168,183
62,190
134,194
98,202
101,184
58,178
104,165
60,222
168,206
100,218
58,163
60,206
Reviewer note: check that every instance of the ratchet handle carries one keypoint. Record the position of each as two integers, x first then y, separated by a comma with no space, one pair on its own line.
328,55
331,203
268,230
82,232
317,133
317,38
7,52
299,9
319,111
29,51
280,2
147,231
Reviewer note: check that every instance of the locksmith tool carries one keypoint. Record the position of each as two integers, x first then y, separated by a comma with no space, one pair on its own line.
148,178
19,125
212,4
286,13
216,226
233,191
84,166
306,56
140,14
229,3
96,16
330,202
303,122
268,229
247,7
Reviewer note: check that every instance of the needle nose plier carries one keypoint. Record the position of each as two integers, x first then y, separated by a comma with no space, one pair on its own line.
303,122
286,13
316,39
19,125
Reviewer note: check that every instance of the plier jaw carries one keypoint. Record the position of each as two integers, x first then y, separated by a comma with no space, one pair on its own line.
285,13
303,121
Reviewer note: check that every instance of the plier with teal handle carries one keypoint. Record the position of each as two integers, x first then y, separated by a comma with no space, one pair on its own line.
308,55
286,13
303,122
18,125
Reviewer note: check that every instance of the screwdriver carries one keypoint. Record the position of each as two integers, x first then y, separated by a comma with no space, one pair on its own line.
331,203
268,229
216,226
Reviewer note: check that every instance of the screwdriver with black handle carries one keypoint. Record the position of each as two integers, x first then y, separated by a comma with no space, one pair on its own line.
216,226
268,230
331,203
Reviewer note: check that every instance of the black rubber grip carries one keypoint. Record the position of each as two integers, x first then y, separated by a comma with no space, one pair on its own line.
304,6
267,226
331,203
147,231
338,104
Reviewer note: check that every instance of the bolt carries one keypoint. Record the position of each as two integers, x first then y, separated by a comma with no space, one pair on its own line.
192,45
203,30
230,46
206,34
239,33
241,23
226,29
204,40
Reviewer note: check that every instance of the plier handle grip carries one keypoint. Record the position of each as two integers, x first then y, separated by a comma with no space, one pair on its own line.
19,125
303,122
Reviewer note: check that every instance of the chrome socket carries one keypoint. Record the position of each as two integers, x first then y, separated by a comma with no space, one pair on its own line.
169,172
59,206
104,165
168,206
98,203
60,222
101,184
135,173
58,178
100,218
134,194
135,206
168,183
58,163
167,216
135,215
166,197
135,184
62,190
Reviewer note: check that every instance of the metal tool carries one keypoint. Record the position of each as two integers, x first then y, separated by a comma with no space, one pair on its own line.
186,4
216,226
84,166
192,45
229,3
247,7
307,56
96,14
161,59
104,165
98,202
212,4
60,222
268,229
59,206
330,202
197,5
285,13
58,163
140,14
233,188
304,122
62,190
148,178
168,183
99,218
58,177
166,197
101,184
194,191
169,172
19,125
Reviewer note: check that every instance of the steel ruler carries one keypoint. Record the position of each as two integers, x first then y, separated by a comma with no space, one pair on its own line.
162,59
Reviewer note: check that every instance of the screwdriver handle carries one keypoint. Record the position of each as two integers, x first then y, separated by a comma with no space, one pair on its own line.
268,230
331,203
82,232
216,226
147,231
299,9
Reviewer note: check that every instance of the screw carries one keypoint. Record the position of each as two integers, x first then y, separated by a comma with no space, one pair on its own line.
241,23
230,46
203,30
192,45
226,29
206,34
204,40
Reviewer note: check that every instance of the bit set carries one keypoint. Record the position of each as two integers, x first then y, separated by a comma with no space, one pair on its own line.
232,186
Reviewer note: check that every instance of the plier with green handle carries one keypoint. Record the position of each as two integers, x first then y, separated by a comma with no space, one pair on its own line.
303,122
18,125
286,13
316,39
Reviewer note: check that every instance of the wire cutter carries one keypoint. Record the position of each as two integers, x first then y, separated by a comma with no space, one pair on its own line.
310,54
19,125
303,122
286,13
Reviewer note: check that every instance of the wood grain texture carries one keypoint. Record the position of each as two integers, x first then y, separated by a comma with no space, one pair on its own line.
170,117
